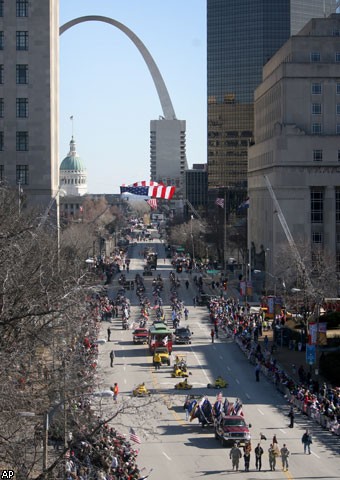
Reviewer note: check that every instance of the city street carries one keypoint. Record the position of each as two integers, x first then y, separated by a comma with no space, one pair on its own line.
176,448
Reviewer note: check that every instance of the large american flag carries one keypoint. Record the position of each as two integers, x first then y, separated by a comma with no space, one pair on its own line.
219,202
158,191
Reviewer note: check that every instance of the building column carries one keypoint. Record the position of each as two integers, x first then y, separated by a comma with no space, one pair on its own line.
329,222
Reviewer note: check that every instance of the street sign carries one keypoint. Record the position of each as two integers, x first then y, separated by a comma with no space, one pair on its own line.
310,354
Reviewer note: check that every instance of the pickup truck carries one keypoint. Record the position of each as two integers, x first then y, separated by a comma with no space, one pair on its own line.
231,429
140,335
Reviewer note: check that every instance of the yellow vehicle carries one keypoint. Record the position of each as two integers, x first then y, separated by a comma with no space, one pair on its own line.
183,385
164,354
180,372
219,383
141,391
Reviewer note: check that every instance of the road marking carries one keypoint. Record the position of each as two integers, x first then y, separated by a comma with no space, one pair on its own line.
125,381
228,368
260,411
248,396
166,456
199,363
237,381
124,368
221,358
283,431
315,455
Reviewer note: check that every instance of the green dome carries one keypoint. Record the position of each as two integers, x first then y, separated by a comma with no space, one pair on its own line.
72,161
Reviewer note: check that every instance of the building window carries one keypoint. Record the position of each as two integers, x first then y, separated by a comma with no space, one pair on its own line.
1,8
316,108
1,40
338,155
22,141
1,141
337,56
22,40
316,205
315,57
2,108
22,107
22,8
337,206
316,88
316,128
338,108
317,155
2,173
317,238
1,74
22,174
22,74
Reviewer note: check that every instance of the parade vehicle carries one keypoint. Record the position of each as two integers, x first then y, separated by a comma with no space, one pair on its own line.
147,271
184,385
180,367
160,336
141,391
219,383
231,429
164,354
199,407
140,335
183,335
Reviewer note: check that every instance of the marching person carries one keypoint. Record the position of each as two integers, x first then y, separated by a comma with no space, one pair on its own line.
115,392
307,441
258,457
212,334
235,455
257,372
272,457
246,456
157,361
108,334
284,457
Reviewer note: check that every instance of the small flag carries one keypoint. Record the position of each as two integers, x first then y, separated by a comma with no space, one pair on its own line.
134,437
152,202
244,204
81,209
219,202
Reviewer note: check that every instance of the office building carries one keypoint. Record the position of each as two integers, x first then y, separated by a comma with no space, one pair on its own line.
196,188
297,147
242,35
168,153
29,66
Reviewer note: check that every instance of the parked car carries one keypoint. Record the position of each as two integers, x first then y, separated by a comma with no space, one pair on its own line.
231,429
183,335
140,335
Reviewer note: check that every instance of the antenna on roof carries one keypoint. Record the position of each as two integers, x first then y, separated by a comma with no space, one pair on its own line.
71,118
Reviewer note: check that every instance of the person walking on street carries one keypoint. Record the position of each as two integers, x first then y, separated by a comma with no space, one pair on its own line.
291,415
157,361
257,372
235,455
115,392
284,457
272,457
246,456
212,334
216,329
112,357
307,441
108,334
258,457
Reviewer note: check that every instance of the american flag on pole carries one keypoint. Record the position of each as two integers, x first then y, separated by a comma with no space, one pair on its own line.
152,202
134,437
219,202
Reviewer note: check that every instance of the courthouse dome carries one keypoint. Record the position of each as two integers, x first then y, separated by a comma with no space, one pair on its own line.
72,162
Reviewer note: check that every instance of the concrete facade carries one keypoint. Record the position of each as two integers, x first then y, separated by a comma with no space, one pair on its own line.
297,145
29,90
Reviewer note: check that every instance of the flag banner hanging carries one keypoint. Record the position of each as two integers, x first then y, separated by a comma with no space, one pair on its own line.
158,191
144,183
134,437
219,202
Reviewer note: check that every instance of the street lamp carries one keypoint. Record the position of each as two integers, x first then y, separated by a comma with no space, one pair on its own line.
192,241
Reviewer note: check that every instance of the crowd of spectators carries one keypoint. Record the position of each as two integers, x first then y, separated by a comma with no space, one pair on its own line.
321,403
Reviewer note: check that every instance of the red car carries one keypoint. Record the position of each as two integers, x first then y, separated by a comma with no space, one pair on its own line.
231,429
140,335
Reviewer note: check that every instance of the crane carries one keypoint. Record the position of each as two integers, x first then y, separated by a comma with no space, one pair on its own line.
194,211
309,286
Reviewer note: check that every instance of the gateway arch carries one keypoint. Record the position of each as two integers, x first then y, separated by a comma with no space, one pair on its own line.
167,135
164,97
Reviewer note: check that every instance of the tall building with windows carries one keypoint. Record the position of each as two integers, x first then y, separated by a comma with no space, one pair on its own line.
297,146
242,35
29,66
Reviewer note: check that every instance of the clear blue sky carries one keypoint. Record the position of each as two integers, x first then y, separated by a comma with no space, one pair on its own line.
107,87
